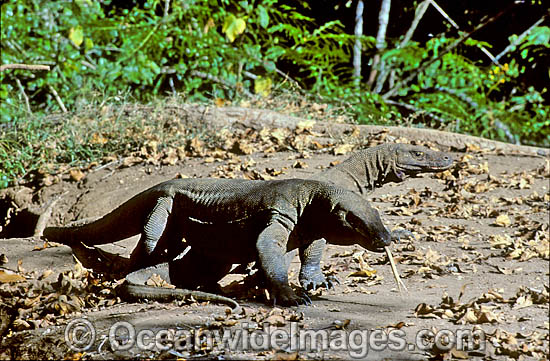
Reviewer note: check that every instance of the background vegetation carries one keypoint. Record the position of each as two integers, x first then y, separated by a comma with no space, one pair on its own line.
111,52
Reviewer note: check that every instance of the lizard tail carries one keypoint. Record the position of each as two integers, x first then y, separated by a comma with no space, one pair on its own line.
132,292
125,221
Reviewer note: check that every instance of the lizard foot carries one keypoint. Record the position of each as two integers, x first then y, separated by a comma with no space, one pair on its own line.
396,234
318,280
287,297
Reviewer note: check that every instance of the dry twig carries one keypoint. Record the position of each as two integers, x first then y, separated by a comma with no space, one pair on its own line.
58,99
24,95
449,48
400,284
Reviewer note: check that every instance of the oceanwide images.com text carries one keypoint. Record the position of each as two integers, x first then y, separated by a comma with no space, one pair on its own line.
81,335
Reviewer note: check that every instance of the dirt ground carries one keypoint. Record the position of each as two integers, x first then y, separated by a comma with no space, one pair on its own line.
480,266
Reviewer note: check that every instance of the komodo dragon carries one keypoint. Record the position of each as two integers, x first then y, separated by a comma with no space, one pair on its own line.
228,221
362,172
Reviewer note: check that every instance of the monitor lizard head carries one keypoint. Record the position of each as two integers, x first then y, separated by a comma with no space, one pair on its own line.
358,223
411,160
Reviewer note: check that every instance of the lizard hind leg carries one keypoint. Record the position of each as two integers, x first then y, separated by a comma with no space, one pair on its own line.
195,270
149,250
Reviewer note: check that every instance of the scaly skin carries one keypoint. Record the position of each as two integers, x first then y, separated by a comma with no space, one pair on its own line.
227,221
364,171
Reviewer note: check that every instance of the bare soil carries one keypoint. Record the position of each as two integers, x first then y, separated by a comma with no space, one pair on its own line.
480,264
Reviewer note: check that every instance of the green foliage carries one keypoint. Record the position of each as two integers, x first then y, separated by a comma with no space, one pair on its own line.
469,98
92,51
223,49
99,53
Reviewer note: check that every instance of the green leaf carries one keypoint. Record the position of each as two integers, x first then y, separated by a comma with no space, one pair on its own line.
269,66
524,53
88,44
76,35
262,86
233,26
264,17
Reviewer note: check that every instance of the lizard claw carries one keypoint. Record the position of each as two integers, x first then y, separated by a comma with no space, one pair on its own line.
316,281
333,280
398,233
287,297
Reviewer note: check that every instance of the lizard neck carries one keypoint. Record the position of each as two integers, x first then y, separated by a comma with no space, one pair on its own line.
370,167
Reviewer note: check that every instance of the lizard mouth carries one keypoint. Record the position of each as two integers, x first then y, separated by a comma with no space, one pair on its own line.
412,168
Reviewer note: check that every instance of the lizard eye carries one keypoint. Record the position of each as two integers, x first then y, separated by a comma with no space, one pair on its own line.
418,153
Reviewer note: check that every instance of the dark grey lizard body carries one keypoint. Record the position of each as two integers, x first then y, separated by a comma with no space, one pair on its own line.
364,171
228,221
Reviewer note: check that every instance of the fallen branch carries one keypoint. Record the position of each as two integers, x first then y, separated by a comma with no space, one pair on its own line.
24,66
228,117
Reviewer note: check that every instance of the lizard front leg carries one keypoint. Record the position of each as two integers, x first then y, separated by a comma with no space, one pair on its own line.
271,246
311,276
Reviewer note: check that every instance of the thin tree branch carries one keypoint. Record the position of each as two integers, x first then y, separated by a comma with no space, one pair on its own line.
452,46
455,25
520,38
166,8
383,18
223,82
24,66
58,99
24,95
417,110
357,46
442,12
419,13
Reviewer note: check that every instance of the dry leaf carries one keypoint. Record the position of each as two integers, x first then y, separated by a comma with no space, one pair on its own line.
503,220
76,174
363,273
522,302
342,149
10,277
276,320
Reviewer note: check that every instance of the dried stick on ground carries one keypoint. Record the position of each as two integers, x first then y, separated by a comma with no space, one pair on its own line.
400,284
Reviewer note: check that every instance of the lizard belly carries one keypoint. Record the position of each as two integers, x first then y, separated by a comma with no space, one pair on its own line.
233,241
